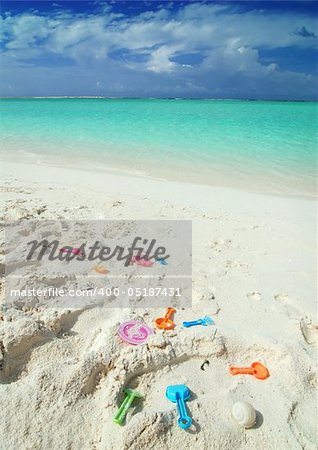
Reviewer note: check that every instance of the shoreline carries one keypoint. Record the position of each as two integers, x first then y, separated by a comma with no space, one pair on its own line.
229,143
70,175
86,165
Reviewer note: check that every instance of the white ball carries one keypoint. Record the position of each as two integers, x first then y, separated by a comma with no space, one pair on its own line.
244,414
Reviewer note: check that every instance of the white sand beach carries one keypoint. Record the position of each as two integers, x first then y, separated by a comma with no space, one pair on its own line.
254,258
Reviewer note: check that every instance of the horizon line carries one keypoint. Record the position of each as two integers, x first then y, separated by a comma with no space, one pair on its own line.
151,98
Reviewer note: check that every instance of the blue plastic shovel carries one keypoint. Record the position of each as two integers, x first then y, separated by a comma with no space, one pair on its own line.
178,394
205,321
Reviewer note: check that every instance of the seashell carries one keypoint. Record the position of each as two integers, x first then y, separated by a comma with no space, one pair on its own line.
244,414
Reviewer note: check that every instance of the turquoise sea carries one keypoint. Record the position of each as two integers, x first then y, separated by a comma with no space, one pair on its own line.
256,145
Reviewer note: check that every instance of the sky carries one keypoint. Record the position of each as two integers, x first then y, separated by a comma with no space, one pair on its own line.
211,49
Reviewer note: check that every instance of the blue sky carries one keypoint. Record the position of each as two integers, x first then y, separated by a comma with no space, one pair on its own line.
248,49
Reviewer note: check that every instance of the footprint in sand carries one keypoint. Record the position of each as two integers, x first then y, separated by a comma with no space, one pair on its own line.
309,331
284,304
254,295
230,264
281,297
220,245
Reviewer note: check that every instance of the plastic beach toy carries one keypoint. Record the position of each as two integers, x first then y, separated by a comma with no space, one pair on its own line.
162,261
134,332
178,394
257,369
74,250
204,321
166,323
141,261
124,407
101,269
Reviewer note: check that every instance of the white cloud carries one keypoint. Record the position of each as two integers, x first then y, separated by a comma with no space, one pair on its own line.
160,60
227,39
26,31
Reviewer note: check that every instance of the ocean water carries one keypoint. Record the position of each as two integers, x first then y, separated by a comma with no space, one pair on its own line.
255,145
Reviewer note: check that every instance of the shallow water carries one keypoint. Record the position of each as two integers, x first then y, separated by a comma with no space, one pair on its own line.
257,145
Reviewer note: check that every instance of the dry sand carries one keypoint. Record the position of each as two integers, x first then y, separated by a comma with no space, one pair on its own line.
63,371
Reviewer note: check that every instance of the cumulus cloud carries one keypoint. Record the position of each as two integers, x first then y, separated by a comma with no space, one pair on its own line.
151,53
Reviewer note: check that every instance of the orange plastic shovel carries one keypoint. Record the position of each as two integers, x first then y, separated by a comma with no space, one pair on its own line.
166,323
257,370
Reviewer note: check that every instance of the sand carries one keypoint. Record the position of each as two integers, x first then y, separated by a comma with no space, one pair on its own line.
63,371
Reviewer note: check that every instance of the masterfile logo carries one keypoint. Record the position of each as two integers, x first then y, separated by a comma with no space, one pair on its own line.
70,264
